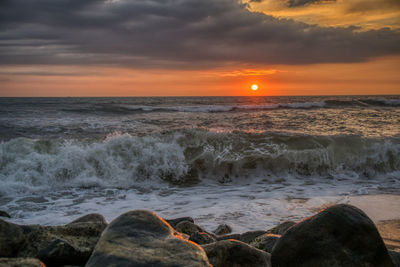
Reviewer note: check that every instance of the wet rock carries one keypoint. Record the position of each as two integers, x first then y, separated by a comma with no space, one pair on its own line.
222,229
202,238
141,238
174,222
93,217
4,214
20,262
55,245
395,256
341,235
234,253
248,237
188,228
265,242
281,228
11,238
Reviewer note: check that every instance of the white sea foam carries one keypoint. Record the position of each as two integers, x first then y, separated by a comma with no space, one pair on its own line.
190,157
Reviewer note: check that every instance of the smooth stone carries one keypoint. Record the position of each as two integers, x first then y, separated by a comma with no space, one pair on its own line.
202,238
4,214
11,238
20,262
341,235
265,242
93,217
281,228
222,229
55,245
174,222
234,253
141,238
188,228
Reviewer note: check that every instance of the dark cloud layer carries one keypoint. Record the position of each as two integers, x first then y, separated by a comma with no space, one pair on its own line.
299,3
173,34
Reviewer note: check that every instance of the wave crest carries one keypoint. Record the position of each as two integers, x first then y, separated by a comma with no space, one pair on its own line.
189,156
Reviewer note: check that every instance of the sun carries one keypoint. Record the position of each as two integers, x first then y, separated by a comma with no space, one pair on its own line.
254,87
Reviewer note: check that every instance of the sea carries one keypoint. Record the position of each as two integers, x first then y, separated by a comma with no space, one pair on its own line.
250,162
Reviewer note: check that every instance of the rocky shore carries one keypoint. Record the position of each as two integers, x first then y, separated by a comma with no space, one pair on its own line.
341,235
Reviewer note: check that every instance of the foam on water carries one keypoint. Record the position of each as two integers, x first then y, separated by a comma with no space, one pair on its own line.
190,157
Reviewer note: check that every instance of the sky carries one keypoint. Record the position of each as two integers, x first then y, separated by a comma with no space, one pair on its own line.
199,47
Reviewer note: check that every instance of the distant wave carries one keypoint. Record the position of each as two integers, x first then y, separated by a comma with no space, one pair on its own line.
188,157
125,108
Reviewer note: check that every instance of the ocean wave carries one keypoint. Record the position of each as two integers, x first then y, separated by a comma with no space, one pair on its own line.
124,108
189,157
130,108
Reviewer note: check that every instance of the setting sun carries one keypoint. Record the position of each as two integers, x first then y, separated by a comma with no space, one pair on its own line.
254,87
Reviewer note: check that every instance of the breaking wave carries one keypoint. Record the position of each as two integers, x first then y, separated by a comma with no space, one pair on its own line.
189,157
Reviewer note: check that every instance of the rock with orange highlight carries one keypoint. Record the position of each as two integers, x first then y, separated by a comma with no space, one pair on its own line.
341,235
141,238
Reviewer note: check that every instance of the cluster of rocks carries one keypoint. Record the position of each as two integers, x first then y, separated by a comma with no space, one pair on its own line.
341,235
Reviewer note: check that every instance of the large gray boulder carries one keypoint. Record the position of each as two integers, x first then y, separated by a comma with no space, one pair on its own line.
234,253
141,238
11,238
341,235
68,244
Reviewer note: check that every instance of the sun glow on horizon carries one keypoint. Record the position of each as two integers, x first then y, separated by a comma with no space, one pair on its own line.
254,87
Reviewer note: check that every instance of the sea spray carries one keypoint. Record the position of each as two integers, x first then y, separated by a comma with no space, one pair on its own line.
190,157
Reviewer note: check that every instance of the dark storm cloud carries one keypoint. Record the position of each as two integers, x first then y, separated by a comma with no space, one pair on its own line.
299,3
173,34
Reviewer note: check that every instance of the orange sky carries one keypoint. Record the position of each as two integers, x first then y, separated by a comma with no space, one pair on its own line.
379,76
374,75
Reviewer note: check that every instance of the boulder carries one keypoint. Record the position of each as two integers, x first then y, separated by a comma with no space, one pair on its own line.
341,235
281,228
174,222
188,228
69,244
234,253
11,238
141,238
20,262
222,229
202,238
4,214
